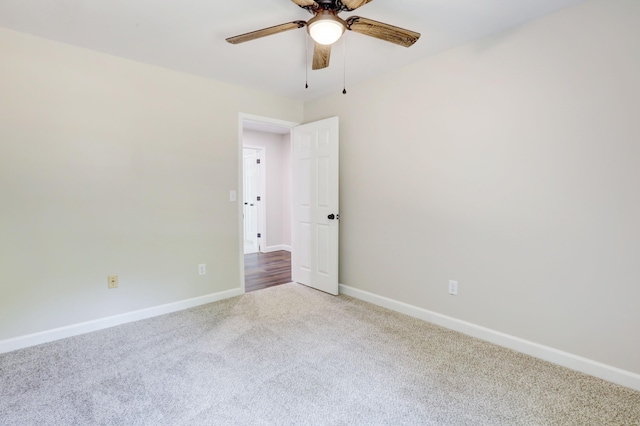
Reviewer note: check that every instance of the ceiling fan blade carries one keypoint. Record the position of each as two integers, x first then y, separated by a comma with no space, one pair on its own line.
382,31
354,4
266,32
306,3
321,56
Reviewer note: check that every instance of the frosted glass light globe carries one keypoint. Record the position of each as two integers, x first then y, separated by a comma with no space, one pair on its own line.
326,31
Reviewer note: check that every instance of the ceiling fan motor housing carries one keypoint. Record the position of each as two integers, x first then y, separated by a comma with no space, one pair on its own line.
330,4
334,5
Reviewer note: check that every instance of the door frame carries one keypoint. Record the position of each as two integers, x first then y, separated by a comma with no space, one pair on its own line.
242,117
262,189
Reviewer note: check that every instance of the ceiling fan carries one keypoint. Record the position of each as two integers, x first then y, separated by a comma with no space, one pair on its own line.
326,27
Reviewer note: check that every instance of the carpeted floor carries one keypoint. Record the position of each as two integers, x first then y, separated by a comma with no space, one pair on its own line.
290,355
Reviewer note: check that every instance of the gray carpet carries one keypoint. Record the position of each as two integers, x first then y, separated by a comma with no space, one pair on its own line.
292,355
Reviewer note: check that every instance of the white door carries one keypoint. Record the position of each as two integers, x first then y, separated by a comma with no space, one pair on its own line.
314,256
250,210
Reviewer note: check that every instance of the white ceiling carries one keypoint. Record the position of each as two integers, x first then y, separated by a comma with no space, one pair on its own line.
189,35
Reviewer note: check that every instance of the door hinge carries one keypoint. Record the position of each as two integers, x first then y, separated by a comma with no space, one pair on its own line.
259,235
258,161
258,198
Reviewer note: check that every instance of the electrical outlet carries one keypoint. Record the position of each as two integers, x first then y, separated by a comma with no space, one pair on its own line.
453,287
112,281
202,269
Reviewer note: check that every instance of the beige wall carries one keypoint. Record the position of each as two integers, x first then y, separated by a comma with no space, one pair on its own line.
511,165
108,166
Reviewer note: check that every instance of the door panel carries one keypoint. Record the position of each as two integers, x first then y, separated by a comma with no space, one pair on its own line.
315,178
251,175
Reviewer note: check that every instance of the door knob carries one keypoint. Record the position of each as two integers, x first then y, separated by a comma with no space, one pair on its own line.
331,216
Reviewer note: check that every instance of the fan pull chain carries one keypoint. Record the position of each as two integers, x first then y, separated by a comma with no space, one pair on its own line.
344,66
306,63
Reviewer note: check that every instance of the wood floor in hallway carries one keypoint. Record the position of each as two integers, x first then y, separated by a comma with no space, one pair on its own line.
262,270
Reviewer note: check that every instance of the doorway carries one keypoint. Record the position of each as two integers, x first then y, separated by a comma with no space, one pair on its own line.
313,203
266,202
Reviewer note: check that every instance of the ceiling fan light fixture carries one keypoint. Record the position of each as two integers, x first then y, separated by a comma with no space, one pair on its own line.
326,28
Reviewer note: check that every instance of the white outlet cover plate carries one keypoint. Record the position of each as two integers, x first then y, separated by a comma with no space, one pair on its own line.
202,269
453,287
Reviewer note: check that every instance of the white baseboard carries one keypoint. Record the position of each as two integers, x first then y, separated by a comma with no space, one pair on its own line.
20,342
271,249
565,359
